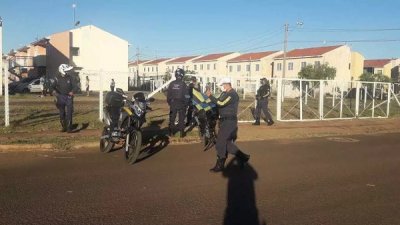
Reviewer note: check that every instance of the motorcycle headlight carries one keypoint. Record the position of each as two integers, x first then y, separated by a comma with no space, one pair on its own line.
138,111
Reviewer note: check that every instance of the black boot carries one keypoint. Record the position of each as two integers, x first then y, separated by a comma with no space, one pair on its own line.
64,128
244,158
257,123
219,165
270,122
68,125
182,133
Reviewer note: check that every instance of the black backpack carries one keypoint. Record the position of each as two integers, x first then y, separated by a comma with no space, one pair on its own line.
114,99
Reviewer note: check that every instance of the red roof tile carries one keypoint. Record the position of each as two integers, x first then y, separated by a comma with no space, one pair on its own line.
212,57
376,63
252,56
308,52
181,59
135,62
157,61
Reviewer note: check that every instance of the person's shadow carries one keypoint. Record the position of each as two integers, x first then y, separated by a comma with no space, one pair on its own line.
155,139
241,198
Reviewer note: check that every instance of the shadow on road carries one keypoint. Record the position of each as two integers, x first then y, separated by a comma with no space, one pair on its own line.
155,139
241,206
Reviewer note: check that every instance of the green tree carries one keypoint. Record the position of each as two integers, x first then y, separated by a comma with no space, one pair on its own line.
374,77
318,72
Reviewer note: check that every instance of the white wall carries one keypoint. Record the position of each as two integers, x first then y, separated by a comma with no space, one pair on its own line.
101,51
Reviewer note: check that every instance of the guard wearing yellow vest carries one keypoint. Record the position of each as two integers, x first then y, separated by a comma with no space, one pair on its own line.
227,104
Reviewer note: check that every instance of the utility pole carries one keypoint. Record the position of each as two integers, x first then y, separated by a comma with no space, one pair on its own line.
285,49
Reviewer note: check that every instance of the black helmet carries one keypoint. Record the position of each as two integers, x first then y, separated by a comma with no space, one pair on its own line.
179,73
263,81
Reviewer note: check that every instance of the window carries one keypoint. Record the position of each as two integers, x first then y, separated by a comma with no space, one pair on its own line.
317,63
247,67
303,64
238,68
214,79
257,67
279,66
74,51
195,67
173,69
290,66
349,66
208,66
230,68
187,68
238,83
215,66
201,66
379,71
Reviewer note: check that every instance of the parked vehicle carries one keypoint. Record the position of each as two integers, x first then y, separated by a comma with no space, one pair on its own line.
127,132
36,86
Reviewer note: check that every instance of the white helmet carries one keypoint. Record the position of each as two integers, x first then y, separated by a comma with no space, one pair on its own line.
63,68
224,80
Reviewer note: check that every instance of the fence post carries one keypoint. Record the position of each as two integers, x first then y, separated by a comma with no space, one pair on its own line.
365,96
341,100
306,97
6,101
321,100
388,100
279,99
357,98
334,94
101,97
301,100
373,101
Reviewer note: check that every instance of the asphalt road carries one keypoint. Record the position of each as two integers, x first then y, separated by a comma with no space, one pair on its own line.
312,181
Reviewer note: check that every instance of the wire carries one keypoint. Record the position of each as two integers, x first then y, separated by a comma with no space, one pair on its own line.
345,30
350,41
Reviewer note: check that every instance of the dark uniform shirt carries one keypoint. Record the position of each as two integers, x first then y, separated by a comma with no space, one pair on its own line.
263,92
227,103
177,94
64,85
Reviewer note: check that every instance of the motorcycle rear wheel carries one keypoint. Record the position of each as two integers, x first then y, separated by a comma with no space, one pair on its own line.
105,144
134,146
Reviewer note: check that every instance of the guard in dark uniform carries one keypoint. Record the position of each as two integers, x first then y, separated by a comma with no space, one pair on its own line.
193,85
64,87
227,103
262,96
177,99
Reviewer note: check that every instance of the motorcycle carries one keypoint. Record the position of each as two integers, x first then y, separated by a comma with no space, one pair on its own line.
123,119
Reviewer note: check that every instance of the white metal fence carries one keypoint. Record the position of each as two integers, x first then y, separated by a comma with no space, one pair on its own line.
290,100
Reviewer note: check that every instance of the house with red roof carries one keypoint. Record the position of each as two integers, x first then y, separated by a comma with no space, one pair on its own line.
213,66
251,66
155,68
388,67
185,62
348,64
135,65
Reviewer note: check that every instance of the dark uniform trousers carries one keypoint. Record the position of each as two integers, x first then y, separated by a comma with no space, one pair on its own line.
181,112
65,105
262,104
227,134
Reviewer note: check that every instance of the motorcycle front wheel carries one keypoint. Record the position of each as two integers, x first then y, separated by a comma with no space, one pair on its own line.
105,143
133,146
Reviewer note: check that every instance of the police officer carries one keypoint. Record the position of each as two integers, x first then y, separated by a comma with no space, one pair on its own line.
193,85
227,104
64,87
177,99
262,96
112,85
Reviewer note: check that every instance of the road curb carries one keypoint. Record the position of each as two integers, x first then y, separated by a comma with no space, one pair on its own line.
50,147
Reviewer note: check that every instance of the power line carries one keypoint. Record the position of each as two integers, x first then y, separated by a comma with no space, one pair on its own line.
346,30
350,41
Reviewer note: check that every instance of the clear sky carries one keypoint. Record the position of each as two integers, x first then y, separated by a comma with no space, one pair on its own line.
165,28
